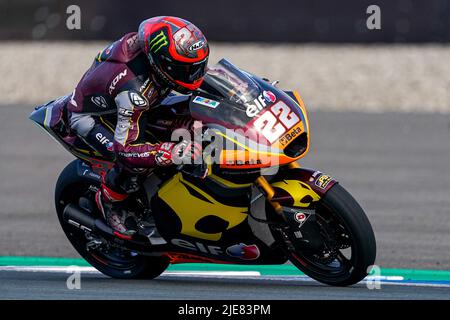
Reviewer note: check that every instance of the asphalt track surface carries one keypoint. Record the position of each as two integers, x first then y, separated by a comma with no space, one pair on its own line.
172,286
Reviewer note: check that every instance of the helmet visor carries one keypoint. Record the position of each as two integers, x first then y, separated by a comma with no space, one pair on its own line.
184,72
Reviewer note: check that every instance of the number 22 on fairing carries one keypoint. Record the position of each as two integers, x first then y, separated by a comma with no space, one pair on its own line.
275,122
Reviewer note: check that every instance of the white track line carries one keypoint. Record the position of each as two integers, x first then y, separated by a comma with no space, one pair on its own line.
91,270
251,275
68,269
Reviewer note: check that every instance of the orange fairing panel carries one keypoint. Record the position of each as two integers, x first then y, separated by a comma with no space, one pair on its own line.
243,159
300,102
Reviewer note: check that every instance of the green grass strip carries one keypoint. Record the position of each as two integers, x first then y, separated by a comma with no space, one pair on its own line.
275,270
42,262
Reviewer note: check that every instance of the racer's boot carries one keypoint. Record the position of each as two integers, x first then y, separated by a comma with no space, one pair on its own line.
110,204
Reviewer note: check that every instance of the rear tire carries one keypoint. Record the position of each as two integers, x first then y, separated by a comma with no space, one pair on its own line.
69,188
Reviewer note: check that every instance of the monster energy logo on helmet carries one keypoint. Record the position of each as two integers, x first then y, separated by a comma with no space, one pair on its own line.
158,42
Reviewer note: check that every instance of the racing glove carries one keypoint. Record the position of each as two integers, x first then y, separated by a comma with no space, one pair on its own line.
185,152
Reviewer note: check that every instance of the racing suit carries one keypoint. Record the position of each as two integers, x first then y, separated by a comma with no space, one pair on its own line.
120,81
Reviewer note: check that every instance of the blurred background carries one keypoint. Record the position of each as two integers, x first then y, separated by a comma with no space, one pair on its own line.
378,102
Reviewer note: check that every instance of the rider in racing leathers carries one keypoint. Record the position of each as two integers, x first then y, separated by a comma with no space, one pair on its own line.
131,76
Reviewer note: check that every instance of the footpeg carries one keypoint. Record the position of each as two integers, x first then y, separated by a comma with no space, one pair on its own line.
151,232
155,238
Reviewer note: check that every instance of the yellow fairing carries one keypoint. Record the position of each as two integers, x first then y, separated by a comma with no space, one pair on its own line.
298,190
191,209
228,183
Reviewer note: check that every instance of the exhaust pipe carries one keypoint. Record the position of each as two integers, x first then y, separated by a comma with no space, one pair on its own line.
82,219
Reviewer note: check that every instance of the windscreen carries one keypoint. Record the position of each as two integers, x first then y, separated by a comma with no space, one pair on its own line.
232,83
235,91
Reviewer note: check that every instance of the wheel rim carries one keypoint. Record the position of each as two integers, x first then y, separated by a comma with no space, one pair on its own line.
337,259
113,257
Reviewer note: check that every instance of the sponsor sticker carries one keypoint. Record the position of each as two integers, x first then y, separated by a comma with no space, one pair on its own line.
158,42
197,246
258,105
291,135
206,102
99,101
197,46
300,217
91,174
101,138
116,80
135,154
269,96
126,113
323,181
137,99
110,146
243,251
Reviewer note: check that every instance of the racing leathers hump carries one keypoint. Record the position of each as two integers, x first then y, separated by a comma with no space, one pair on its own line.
118,82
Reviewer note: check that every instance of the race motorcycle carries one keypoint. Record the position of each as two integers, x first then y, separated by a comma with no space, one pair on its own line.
241,213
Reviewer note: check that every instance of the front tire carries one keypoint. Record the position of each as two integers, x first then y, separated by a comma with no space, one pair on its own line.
339,210
120,264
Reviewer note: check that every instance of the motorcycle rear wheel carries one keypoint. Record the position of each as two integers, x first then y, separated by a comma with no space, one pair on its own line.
120,264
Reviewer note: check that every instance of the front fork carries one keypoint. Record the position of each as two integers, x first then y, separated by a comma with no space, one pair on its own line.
269,191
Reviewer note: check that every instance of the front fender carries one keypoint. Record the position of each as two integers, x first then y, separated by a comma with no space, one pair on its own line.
300,187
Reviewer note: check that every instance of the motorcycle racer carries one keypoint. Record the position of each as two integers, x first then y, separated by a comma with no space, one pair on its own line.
129,77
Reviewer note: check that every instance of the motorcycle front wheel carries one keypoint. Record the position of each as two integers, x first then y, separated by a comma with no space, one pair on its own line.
348,246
